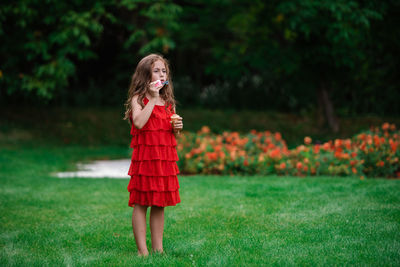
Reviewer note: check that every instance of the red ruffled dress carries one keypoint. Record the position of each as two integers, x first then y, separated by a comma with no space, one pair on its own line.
153,168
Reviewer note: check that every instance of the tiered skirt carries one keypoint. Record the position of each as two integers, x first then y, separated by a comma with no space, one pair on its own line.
153,168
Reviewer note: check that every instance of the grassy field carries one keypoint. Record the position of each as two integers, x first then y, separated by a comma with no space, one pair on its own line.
221,221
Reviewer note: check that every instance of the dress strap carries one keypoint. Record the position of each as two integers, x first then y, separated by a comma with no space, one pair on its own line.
146,100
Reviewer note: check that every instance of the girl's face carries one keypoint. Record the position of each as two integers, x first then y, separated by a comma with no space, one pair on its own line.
159,72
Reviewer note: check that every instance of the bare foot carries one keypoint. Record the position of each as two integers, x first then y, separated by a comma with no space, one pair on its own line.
158,251
144,254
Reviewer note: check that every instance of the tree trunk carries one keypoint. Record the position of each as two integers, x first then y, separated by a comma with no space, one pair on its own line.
326,109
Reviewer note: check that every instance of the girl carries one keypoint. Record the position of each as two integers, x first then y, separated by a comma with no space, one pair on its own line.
153,168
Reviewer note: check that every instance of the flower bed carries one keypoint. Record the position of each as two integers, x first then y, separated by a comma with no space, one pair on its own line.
373,153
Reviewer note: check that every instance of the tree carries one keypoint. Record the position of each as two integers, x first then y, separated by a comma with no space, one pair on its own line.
43,42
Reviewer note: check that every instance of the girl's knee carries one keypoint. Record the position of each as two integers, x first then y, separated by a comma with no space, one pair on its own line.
141,207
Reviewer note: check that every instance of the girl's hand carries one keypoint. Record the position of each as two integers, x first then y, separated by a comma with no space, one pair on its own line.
154,88
177,123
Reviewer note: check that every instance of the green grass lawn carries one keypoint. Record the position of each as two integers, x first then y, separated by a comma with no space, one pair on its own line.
221,221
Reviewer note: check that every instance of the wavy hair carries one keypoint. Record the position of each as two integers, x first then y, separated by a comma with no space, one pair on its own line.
140,84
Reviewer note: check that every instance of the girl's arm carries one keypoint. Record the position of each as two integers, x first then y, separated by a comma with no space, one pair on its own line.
141,116
176,132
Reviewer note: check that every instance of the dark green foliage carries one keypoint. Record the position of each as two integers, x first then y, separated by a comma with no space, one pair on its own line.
274,55
51,47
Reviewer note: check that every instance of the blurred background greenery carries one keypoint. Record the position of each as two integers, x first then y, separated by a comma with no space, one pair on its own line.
325,68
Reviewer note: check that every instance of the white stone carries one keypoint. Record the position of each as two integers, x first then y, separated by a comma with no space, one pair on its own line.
100,169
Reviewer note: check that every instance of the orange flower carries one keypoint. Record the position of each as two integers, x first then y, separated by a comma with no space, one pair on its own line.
326,146
347,143
212,156
385,126
316,149
278,136
380,163
242,153
377,140
246,162
301,148
313,171
354,170
270,146
338,143
363,147
196,151
205,129
306,161
305,168
188,155
276,153
338,153
369,139
299,166
282,165
221,167
217,148
353,154
383,140
392,127
307,140
345,156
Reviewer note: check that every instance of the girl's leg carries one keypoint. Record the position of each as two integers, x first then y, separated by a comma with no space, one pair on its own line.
139,228
157,228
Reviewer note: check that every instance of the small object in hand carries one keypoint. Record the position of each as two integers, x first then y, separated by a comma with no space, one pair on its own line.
175,118
159,83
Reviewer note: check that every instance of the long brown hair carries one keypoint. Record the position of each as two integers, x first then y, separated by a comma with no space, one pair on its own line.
140,84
